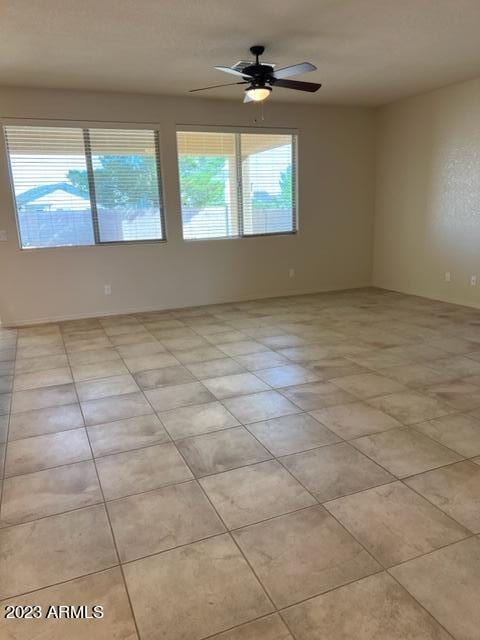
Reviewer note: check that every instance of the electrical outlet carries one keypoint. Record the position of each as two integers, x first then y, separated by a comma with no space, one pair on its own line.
108,289
291,273
473,281
448,276
3,235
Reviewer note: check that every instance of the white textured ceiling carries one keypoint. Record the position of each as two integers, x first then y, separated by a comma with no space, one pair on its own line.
367,51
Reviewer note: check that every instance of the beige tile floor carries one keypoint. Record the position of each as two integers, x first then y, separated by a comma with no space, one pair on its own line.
285,469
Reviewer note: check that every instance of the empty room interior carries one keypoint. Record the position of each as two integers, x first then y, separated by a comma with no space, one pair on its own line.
240,320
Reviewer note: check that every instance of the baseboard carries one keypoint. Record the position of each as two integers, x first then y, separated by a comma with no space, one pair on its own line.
130,310
459,302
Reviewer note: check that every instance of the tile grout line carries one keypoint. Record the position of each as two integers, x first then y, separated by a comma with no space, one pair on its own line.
4,461
384,569
105,509
192,479
364,454
250,464
227,531
430,615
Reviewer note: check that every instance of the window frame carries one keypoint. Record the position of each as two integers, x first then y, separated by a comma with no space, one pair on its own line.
185,128
85,126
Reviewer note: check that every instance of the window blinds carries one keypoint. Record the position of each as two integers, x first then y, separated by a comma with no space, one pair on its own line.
125,184
236,184
77,186
52,211
82,186
208,185
267,175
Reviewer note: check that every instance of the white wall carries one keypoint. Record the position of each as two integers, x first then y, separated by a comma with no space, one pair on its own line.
332,250
427,218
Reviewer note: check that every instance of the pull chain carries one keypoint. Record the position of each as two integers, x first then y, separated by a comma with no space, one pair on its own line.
261,107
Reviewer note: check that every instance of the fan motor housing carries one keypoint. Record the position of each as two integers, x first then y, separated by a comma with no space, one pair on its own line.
258,71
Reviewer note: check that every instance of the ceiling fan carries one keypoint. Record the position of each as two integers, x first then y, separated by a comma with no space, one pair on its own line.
261,77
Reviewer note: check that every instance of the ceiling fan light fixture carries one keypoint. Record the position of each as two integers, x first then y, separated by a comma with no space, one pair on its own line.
258,94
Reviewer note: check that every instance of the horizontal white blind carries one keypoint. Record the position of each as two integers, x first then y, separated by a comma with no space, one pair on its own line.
208,184
268,179
51,210
77,186
236,184
126,186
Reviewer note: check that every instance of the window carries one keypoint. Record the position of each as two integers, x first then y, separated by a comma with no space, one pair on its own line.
236,184
78,186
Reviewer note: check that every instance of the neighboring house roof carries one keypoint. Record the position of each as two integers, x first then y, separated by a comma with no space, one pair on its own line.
36,193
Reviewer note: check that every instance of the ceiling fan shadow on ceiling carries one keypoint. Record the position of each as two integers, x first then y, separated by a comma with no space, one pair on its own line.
262,77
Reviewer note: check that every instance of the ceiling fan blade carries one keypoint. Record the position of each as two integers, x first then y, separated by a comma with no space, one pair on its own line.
294,70
298,85
216,86
234,72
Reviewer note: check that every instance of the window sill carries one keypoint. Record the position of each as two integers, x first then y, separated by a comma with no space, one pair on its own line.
120,243
244,237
